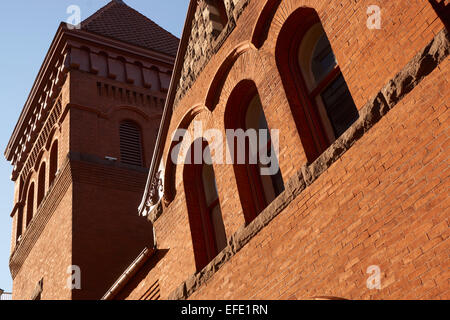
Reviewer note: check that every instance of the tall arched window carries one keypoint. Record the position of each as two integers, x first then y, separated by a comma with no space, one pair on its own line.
202,199
131,143
257,185
316,89
41,184
53,162
30,204
19,226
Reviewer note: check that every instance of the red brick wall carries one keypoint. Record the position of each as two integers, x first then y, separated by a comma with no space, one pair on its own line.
46,245
382,203
95,225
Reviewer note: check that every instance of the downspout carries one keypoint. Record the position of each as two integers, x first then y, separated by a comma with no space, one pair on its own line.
129,273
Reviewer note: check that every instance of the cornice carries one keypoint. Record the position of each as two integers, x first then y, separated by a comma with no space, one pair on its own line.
52,75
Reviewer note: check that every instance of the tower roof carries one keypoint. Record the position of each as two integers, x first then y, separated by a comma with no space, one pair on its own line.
118,21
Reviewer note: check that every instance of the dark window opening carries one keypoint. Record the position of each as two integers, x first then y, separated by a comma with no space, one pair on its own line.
257,185
30,204
53,163
202,199
41,184
19,226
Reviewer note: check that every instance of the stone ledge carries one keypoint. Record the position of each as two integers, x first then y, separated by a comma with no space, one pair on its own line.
426,61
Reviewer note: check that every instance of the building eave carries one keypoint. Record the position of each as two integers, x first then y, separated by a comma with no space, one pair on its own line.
38,82
58,46
168,108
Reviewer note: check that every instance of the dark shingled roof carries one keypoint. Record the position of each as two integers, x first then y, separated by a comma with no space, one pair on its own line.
118,21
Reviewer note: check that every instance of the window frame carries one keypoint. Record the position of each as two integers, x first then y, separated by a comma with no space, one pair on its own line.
247,91
311,109
312,120
193,178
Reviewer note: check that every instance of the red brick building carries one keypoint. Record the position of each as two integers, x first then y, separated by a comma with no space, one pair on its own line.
81,152
359,208
358,91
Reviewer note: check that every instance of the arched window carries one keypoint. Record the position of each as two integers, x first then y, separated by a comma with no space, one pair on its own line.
19,226
53,162
30,204
202,199
131,143
318,94
258,182
41,184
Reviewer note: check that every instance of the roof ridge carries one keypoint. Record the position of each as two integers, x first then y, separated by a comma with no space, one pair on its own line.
98,13
144,16
119,21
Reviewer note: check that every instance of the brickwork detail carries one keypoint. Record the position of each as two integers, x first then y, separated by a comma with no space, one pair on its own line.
422,64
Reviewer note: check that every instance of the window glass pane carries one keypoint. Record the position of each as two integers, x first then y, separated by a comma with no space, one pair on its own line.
339,105
219,228
209,184
272,185
254,118
323,59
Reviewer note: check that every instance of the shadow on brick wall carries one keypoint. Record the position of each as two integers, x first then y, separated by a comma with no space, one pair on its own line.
442,8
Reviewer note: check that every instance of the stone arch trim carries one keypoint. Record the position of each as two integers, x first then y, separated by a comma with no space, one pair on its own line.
170,167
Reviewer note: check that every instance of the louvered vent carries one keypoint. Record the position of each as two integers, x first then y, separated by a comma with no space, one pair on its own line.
130,143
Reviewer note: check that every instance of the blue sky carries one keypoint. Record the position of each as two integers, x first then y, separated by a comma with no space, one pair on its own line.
26,31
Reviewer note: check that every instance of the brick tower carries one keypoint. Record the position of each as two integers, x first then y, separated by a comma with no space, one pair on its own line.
359,206
81,151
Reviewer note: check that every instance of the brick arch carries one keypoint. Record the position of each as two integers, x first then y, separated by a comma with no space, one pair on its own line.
39,160
170,167
261,29
24,188
212,96
52,137
249,65
133,109
276,17
254,65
